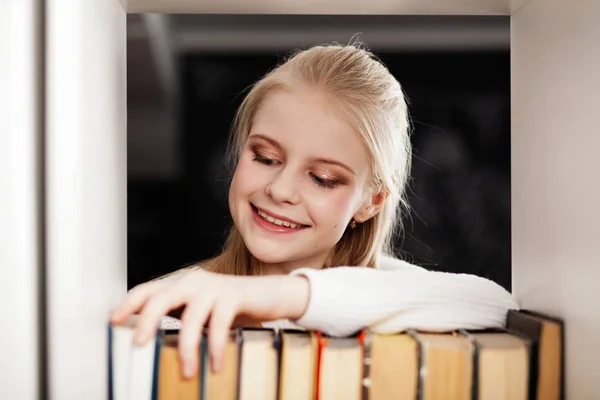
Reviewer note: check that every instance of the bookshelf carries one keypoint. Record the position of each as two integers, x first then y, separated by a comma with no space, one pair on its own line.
65,151
554,85
19,205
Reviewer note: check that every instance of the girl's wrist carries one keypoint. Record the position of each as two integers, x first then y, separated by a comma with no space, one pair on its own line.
296,290
268,298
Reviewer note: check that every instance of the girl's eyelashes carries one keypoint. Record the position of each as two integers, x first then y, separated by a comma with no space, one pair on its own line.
325,183
264,160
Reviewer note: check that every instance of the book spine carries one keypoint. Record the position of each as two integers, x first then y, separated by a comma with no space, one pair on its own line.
518,322
544,316
366,340
204,364
321,344
110,364
421,363
474,362
315,351
239,338
157,346
278,345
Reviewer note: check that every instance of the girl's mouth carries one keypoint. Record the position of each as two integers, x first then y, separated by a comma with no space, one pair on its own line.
274,224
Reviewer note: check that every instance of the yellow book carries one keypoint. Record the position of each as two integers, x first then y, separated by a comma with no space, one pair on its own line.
446,364
298,365
391,367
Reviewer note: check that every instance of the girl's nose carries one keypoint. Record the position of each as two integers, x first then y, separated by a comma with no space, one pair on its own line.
283,188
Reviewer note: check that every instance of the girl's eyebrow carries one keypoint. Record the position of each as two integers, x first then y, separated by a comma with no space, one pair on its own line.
266,139
334,162
317,160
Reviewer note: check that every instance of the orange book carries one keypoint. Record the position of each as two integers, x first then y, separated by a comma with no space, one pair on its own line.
547,351
172,385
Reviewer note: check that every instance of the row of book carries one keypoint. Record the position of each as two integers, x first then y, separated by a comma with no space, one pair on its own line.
523,361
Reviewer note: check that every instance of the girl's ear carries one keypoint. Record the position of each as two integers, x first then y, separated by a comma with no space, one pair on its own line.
372,206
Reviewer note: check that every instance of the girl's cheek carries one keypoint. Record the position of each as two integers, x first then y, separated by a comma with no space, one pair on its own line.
333,204
245,170
250,177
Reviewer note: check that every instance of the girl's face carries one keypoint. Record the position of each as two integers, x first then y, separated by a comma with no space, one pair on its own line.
302,176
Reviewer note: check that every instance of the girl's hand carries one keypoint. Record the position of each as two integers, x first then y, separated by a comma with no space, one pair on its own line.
220,298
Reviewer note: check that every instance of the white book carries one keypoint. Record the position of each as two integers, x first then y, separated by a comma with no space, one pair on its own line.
132,367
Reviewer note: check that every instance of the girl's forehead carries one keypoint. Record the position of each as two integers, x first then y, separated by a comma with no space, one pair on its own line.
298,116
301,123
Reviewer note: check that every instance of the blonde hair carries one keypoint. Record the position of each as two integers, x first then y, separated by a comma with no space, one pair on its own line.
371,100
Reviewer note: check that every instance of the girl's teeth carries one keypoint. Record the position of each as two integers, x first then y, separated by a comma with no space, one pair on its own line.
277,221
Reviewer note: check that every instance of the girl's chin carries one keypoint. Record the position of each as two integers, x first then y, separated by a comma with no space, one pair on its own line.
268,257
278,255
270,251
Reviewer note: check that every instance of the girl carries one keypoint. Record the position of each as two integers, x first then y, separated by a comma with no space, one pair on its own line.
322,155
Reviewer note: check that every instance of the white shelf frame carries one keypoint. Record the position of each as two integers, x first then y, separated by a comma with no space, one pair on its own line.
555,193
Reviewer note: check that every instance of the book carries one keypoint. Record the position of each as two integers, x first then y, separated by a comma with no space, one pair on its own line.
340,367
172,385
391,367
445,364
298,365
258,373
133,369
221,385
501,364
547,351
521,361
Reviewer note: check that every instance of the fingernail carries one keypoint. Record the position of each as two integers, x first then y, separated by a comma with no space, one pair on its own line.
140,338
188,368
215,362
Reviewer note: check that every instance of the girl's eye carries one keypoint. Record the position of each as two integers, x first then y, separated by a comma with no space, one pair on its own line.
325,183
264,160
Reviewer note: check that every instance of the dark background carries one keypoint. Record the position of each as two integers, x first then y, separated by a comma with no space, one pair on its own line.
460,187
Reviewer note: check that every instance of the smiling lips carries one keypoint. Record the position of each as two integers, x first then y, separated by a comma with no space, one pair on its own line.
272,223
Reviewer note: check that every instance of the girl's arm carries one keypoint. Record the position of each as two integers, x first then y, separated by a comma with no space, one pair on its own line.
337,301
344,300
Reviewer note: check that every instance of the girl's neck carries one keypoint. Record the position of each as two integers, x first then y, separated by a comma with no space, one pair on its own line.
286,268
248,264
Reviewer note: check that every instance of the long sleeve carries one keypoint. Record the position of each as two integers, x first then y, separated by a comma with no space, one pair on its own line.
346,299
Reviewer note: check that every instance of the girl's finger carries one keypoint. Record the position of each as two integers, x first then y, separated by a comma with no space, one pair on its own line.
155,308
192,321
220,324
134,301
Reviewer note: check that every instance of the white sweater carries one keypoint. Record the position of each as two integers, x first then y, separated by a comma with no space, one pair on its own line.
394,297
